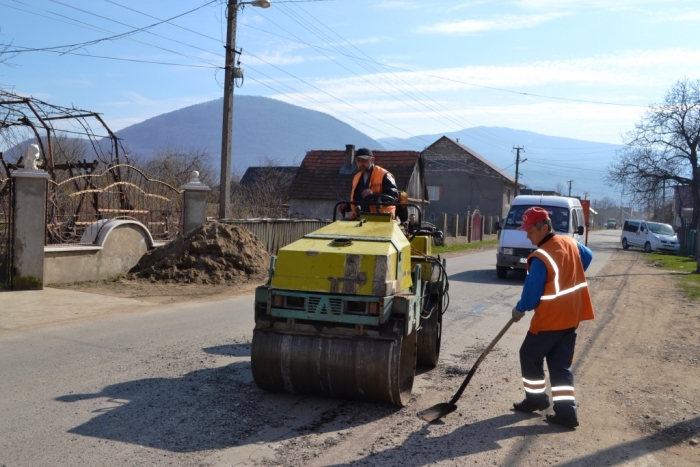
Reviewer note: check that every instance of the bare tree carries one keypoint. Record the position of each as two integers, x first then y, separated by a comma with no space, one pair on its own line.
663,147
5,57
267,195
559,187
603,204
175,165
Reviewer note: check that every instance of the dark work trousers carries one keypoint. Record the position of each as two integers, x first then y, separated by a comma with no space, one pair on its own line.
558,348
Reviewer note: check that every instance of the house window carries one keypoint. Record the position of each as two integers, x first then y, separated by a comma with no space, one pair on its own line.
434,193
508,195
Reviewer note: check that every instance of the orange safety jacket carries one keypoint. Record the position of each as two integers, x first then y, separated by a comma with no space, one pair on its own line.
375,184
565,301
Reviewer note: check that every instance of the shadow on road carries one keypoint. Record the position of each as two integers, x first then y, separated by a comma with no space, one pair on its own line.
210,409
488,276
420,448
233,350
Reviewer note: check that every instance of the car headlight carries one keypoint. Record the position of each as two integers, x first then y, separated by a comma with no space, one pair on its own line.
656,237
507,251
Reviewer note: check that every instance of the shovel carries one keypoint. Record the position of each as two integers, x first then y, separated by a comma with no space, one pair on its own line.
438,411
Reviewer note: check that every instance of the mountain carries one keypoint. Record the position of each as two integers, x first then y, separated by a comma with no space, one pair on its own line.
550,160
262,128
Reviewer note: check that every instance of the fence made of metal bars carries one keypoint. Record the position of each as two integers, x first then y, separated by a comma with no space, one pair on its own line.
119,192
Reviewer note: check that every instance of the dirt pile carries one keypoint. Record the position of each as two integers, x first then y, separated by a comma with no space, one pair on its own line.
213,254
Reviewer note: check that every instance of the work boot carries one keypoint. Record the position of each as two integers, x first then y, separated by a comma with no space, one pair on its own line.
529,407
563,421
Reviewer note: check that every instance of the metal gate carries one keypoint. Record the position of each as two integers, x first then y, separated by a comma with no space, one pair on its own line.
6,221
477,230
78,207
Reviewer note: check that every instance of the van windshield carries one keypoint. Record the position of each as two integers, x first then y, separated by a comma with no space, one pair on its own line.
559,216
660,229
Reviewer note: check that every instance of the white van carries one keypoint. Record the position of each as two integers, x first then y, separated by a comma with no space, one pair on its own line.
652,236
514,247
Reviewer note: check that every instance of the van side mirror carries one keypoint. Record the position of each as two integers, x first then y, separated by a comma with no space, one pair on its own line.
580,230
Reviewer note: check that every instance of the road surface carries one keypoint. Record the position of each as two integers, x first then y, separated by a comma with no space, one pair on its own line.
172,386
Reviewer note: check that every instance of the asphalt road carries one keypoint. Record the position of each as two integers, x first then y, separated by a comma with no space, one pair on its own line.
173,386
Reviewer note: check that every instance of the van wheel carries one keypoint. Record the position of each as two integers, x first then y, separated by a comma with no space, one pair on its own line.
624,244
647,247
501,272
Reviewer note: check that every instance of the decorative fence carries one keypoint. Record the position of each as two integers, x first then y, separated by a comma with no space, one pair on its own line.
6,220
276,233
120,192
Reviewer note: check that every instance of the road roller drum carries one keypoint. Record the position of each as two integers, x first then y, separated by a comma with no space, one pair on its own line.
377,369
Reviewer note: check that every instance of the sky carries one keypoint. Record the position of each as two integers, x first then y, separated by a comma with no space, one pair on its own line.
390,68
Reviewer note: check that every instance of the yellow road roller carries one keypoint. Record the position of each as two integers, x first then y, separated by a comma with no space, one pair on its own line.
349,311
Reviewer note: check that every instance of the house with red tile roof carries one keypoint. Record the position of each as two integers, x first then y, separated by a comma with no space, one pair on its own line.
325,178
460,180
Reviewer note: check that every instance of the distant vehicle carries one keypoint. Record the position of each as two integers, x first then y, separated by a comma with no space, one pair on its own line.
514,247
611,224
652,236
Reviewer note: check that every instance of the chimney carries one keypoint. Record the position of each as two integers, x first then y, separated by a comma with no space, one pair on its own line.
349,166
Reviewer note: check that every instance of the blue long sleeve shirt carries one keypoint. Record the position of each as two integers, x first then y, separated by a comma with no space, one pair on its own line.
537,276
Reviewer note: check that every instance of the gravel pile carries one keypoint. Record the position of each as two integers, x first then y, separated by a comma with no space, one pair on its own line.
213,254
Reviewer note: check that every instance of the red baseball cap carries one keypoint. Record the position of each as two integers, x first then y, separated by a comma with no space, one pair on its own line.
532,216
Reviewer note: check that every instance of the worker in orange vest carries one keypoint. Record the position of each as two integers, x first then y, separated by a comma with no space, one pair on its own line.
371,179
557,290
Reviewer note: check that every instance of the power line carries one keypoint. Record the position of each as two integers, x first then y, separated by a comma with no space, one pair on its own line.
109,38
543,96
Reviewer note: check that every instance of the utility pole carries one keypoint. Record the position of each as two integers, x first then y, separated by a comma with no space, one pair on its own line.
570,182
227,126
517,167
230,75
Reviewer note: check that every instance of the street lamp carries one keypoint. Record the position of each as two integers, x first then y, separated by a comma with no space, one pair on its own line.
227,126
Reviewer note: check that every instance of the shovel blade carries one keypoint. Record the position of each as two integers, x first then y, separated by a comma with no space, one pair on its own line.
437,411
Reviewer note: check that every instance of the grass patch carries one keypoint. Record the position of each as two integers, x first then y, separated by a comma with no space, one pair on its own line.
465,246
689,283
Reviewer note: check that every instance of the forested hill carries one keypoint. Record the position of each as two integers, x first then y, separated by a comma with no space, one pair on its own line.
262,127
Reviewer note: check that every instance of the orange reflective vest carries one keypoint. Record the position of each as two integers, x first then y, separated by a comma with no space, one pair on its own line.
375,184
565,301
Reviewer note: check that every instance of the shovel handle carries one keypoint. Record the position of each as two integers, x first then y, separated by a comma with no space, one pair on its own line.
479,360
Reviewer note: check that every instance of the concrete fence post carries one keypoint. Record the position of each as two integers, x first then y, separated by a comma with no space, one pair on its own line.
443,223
29,224
468,232
455,225
194,210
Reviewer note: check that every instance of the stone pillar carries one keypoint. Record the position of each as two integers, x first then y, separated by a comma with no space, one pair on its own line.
29,225
194,210
443,223
455,225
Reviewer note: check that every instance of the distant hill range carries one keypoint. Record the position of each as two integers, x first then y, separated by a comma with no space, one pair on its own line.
551,160
283,132
262,128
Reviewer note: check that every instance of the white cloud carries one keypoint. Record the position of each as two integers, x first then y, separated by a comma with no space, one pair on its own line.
685,16
578,4
501,23
469,95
